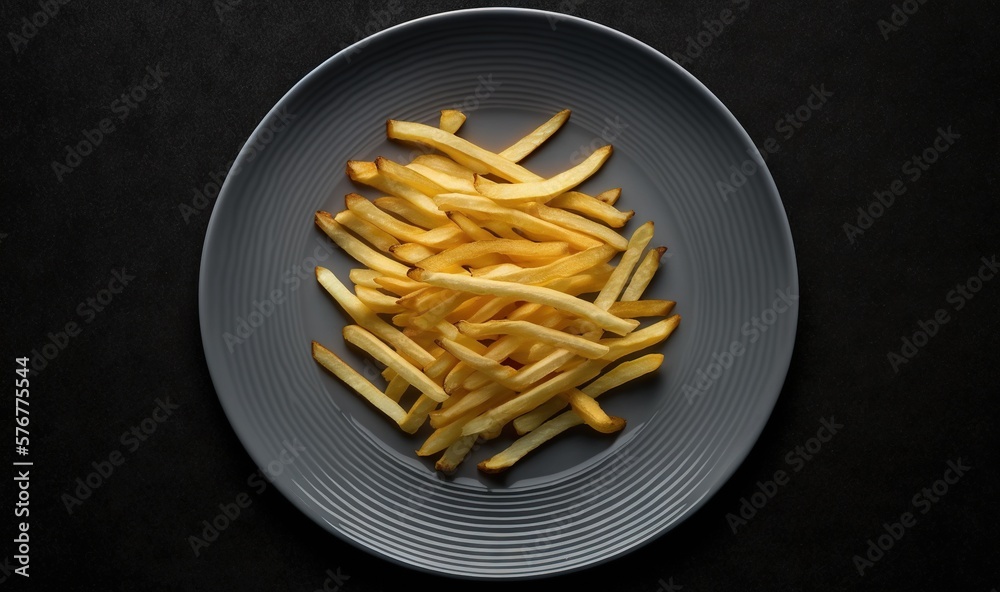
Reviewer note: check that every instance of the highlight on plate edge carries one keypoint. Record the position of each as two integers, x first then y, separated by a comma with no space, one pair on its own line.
489,295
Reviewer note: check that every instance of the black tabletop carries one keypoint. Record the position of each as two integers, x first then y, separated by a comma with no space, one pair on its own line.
876,470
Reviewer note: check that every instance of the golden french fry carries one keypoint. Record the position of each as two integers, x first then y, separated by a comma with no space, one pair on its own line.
641,339
368,174
543,191
536,228
572,221
407,211
357,249
365,317
450,183
641,308
407,176
592,207
455,454
591,413
528,400
636,244
377,301
417,414
526,145
362,338
463,151
451,120
396,388
643,275
468,251
542,295
566,266
572,343
359,383
365,277
442,236
617,376
610,196
380,239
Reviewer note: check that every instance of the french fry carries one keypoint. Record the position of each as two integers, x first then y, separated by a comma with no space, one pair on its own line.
526,145
442,236
451,120
357,249
592,207
538,229
542,191
542,295
368,174
464,253
636,244
463,151
641,308
406,176
455,454
643,275
365,317
572,343
362,338
380,239
528,400
359,383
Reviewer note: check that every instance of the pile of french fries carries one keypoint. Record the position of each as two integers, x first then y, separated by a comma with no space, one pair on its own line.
488,293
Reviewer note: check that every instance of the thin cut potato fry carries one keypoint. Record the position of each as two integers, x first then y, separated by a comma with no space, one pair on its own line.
380,239
368,173
407,176
591,413
407,211
469,227
526,145
462,150
396,388
553,298
364,277
528,400
615,377
580,224
643,275
592,207
463,253
493,291
573,343
360,337
610,196
451,120
451,183
455,454
636,244
365,317
359,383
642,308
443,236
446,165
357,249
478,207
543,191
377,301
417,414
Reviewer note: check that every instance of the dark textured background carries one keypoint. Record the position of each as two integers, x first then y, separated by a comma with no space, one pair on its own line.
227,64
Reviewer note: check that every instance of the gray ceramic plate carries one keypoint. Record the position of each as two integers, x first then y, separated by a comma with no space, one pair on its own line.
585,498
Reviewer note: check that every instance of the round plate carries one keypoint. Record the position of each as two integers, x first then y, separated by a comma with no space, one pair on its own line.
584,498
